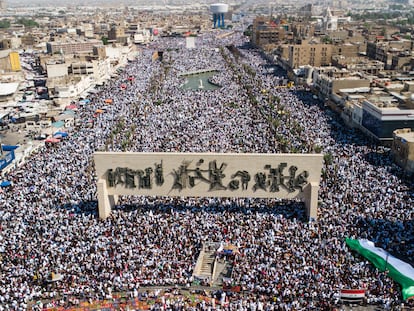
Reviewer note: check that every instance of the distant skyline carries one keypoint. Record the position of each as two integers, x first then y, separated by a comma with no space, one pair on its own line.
30,3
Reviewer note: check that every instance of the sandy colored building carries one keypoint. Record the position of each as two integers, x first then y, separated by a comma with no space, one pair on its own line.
385,50
348,49
9,61
117,34
403,149
313,54
72,47
265,31
329,80
358,64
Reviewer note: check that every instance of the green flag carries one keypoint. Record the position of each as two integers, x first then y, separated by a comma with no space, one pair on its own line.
400,271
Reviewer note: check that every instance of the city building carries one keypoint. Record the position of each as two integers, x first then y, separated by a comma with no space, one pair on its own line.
301,30
72,47
314,54
306,10
9,61
403,149
85,30
384,50
5,44
329,80
117,34
267,31
402,61
375,110
330,21
383,114
348,49
70,86
81,68
56,69
142,36
99,51
358,64
29,40
349,102
8,90
98,70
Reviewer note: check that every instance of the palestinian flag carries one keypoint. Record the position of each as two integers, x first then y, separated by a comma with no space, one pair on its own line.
400,271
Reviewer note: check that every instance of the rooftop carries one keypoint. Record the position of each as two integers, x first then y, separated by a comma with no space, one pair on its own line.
356,90
406,135
7,89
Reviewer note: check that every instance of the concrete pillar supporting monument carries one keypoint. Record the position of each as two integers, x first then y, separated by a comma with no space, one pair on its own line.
105,202
311,200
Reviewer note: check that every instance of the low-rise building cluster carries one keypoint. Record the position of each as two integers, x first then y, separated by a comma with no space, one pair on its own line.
363,71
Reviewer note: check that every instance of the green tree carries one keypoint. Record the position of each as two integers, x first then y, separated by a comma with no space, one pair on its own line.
4,23
28,23
104,40
317,148
326,39
247,33
328,158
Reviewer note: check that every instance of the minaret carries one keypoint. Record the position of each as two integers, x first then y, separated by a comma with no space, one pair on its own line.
328,14
2,5
331,22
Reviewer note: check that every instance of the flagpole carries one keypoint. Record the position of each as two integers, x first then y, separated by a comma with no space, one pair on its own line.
386,262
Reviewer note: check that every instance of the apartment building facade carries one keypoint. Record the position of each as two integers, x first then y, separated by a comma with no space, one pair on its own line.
72,47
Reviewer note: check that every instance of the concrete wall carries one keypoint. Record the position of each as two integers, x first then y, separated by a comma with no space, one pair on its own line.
348,84
56,70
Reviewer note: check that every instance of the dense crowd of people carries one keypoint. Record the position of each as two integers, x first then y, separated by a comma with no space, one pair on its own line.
49,217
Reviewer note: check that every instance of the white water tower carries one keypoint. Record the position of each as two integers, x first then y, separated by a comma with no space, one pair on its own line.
218,10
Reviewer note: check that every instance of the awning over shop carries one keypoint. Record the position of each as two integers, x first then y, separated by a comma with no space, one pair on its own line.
64,116
69,112
71,107
52,140
61,134
58,124
5,183
228,248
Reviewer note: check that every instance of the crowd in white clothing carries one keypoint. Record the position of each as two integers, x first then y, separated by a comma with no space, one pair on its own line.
49,223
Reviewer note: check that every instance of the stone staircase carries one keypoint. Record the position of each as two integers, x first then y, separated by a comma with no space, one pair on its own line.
205,262
211,268
206,269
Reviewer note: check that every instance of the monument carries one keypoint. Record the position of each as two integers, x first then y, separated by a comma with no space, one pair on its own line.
284,176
